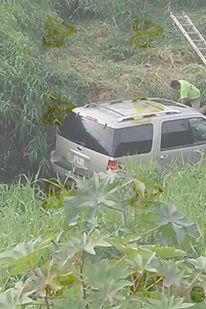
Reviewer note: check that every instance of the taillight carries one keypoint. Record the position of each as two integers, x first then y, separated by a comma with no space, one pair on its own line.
91,118
112,165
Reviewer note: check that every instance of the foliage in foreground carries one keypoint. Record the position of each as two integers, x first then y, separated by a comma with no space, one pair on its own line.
120,246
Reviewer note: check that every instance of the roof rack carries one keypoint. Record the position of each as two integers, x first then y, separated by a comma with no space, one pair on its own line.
93,104
90,105
115,101
151,102
148,115
168,102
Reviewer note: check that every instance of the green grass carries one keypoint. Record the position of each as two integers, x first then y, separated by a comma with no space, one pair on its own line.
106,65
22,217
184,187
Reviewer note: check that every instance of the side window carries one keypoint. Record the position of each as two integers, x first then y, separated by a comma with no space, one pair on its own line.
133,140
198,128
175,134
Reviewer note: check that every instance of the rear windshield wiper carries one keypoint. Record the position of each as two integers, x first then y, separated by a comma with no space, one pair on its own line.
79,143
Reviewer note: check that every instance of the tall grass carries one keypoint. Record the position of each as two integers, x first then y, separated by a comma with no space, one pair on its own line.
27,75
183,186
23,218
121,12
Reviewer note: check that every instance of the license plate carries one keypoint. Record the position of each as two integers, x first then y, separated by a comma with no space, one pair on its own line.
78,161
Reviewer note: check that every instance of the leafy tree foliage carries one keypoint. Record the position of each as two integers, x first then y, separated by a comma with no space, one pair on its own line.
27,77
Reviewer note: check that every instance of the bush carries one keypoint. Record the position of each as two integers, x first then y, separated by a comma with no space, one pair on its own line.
117,46
27,75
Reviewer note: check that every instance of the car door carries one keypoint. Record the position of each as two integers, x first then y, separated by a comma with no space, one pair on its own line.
134,143
198,129
175,142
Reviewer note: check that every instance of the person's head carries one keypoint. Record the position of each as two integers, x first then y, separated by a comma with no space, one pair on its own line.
175,84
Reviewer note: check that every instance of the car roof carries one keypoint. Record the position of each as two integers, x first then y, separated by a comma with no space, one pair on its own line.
122,113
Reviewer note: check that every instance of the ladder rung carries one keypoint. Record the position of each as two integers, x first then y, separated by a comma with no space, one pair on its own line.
181,17
203,53
187,26
198,41
195,38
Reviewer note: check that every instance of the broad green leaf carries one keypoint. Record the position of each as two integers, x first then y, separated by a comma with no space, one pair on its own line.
51,277
119,241
67,303
165,252
199,263
24,256
131,253
107,282
170,272
173,222
199,306
167,303
95,193
131,303
142,263
15,297
85,243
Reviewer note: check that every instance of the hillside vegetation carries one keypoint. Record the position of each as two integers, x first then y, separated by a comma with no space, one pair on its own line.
95,64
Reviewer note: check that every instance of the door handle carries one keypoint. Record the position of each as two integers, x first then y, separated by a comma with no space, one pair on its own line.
164,156
198,151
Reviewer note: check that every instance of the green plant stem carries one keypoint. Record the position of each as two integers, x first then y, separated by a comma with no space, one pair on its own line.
144,234
156,282
81,274
135,216
192,282
47,302
120,210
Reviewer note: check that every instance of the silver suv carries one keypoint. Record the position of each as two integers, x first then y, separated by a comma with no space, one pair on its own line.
98,136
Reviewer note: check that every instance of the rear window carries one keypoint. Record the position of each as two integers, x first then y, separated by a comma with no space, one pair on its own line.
88,133
133,140
175,133
103,139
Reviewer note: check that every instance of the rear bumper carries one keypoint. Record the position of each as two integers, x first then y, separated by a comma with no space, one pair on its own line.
63,173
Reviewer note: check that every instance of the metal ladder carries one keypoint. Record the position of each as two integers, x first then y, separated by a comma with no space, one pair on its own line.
192,34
